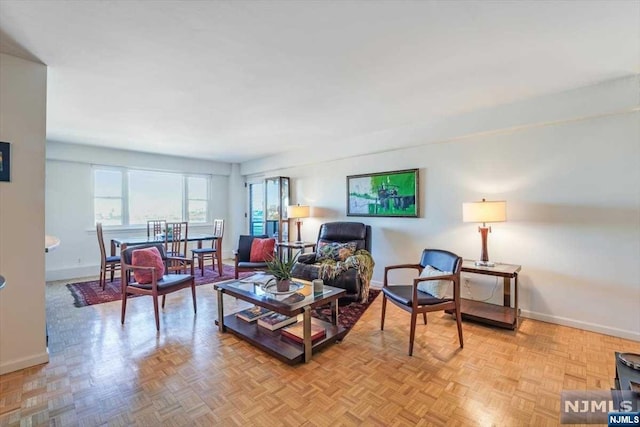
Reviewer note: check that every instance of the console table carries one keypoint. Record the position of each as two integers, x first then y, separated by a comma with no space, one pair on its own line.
503,316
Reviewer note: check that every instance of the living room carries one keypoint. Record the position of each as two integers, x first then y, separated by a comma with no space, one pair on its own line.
565,159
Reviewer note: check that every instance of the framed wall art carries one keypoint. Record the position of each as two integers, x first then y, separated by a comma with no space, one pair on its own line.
5,161
383,194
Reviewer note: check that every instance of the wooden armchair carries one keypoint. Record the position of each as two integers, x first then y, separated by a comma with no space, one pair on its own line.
416,301
160,285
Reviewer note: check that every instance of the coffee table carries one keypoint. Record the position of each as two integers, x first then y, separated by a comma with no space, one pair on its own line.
293,304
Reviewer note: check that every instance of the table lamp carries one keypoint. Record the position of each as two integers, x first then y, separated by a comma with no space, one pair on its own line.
484,212
296,212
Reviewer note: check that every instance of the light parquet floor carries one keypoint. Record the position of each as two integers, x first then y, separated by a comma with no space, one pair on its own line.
103,373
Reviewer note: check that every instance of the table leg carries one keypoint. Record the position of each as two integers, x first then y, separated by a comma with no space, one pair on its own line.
221,326
506,286
307,333
334,312
516,301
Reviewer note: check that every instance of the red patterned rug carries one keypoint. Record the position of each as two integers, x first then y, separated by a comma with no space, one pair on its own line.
90,293
348,314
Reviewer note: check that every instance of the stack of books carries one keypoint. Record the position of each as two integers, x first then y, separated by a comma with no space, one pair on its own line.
296,332
252,314
275,321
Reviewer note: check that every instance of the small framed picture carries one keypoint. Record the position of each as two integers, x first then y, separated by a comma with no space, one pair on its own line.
5,161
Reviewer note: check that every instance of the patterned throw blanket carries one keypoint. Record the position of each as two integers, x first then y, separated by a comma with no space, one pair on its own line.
361,260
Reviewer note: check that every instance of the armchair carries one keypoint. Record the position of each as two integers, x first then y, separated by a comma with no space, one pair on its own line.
352,273
436,267
242,255
160,285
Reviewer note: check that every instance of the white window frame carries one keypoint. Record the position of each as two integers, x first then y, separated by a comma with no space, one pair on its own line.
124,199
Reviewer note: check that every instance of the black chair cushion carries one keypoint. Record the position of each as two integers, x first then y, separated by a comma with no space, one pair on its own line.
203,251
114,258
404,295
168,281
252,264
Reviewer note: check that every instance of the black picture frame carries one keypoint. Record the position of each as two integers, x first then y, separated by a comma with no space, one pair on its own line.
5,161
384,194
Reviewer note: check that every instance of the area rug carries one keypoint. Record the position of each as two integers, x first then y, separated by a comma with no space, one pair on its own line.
348,314
90,293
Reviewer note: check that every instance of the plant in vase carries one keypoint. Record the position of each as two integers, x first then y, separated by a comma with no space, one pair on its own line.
281,272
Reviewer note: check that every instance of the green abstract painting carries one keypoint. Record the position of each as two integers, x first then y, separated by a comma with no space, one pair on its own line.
383,194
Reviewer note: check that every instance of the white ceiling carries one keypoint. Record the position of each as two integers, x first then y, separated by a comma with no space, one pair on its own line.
237,80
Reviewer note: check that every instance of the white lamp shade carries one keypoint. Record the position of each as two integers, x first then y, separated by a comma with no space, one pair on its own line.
484,211
297,211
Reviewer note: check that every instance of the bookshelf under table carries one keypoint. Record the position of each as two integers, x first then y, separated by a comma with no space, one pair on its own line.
300,302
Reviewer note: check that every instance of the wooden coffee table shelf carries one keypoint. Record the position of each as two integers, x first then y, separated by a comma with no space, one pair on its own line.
298,303
281,348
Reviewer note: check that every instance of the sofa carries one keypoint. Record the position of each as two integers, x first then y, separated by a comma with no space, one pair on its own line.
343,268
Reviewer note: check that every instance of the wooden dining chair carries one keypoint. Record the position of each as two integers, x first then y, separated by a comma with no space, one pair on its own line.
155,228
214,252
175,243
106,262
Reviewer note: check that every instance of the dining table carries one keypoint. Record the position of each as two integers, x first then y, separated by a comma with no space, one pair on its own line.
124,242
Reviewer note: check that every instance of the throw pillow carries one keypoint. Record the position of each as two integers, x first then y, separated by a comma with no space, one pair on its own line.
436,288
335,251
147,257
262,250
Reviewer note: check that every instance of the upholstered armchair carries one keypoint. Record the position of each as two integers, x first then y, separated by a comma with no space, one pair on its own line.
342,259
242,255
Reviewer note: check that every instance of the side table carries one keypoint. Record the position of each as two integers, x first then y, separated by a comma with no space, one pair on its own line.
290,246
503,316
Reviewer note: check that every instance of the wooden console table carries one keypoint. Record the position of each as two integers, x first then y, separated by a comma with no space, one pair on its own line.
504,316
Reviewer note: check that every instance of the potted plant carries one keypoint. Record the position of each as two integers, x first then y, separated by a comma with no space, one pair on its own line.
281,272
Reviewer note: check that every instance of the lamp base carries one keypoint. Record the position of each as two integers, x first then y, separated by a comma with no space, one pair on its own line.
485,264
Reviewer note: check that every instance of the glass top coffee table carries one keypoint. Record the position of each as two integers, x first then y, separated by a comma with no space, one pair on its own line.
298,302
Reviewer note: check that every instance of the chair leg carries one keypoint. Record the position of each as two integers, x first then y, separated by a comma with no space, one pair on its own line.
459,322
103,277
155,311
113,271
164,297
384,311
193,293
124,307
219,257
412,334
201,264
424,316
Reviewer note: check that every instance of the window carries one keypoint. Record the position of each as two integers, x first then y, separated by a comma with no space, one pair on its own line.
198,201
132,197
108,196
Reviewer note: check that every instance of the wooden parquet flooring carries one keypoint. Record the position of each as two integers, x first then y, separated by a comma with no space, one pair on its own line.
105,374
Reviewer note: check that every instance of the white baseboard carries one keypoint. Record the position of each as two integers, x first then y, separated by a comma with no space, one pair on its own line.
557,320
579,324
25,362
73,272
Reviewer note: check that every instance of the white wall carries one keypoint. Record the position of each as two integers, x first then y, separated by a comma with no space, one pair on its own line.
69,202
572,187
23,86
